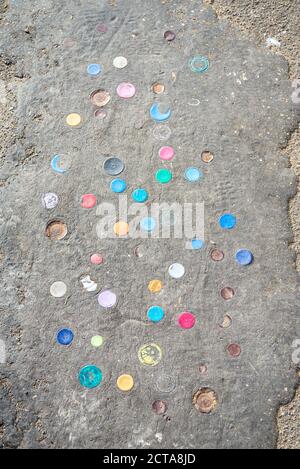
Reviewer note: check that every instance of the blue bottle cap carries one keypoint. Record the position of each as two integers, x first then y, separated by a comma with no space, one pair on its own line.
227,221
193,174
65,337
148,224
140,195
94,69
90,376
244,257
155,314
118,186
197,244
159,116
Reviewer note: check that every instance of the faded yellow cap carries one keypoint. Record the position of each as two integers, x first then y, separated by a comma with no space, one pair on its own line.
155,286
125,382
73,119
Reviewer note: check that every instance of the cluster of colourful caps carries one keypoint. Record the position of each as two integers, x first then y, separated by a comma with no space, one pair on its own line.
150,354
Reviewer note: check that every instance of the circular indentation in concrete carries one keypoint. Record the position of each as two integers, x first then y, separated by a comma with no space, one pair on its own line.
207,156
100,114
56,230
199,64
205,400
202,368
158,88
227,322
165,383
234,350
169,36
217,255
140,251
159,407
162,132
227,293
100,98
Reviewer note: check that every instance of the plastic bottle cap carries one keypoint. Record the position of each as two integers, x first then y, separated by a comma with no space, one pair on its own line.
125,382
118,186
176,270
65,337
187,320
94,69
73,120
107,299
88,201
97,341
244,257
163,176
126,90
227,221
121,228
140,195
155,286
193,174
166,153
58,289
90,376
155,314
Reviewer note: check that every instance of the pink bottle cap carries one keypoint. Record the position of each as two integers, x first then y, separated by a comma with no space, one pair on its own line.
187,320
96,259
126,90
166,153
88,201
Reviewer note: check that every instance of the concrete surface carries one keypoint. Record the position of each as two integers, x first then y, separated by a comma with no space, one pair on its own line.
246,117
260,20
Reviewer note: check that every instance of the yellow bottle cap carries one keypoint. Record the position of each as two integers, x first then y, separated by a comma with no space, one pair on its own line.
155,286
121,228
73,119
125,382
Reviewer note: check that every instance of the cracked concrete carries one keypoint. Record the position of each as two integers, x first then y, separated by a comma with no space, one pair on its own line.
247,118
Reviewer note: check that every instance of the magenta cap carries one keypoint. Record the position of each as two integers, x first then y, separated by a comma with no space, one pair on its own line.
187,320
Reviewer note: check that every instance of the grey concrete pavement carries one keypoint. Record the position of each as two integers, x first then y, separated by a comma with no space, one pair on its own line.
241,110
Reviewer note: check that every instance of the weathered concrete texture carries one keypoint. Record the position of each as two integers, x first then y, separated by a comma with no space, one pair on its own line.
280,20
245,116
